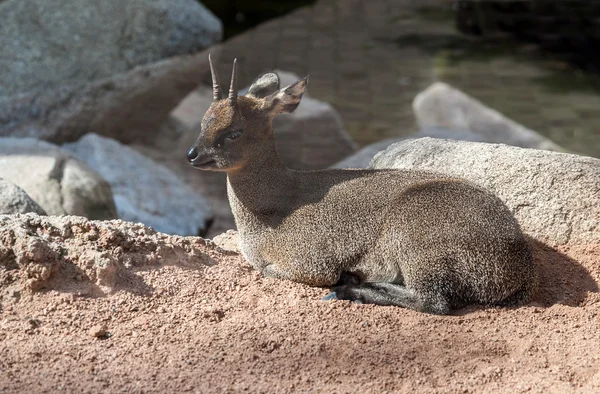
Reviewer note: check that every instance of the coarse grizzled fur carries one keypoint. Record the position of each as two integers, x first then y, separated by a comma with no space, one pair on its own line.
415,239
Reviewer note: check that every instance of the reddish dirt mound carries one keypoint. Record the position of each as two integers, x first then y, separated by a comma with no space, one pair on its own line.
180,315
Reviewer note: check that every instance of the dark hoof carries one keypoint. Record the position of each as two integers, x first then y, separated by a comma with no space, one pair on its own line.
330,296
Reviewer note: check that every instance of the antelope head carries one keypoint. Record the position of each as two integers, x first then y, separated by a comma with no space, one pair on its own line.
237,129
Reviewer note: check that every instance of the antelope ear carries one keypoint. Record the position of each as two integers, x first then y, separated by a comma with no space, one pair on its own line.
287,99
263,86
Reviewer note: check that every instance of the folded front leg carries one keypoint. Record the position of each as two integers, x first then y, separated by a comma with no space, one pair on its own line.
392,294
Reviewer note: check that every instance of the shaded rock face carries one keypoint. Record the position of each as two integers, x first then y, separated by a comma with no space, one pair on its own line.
126,106
441,105
114,68
71,253
144,191
57,182
44,44
555,196
13,199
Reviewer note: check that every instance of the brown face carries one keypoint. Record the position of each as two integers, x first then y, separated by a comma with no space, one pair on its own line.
223,135
235,128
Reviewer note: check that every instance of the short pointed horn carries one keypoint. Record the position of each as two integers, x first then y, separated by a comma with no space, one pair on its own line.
232,87
217,95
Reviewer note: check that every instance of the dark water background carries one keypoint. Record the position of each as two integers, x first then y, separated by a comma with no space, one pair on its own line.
537,62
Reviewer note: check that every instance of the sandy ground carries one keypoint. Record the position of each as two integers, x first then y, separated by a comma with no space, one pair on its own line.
210,324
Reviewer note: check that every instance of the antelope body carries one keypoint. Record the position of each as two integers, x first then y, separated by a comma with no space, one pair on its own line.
415,239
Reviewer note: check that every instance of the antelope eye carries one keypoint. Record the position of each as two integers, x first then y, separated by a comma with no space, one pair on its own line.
234,135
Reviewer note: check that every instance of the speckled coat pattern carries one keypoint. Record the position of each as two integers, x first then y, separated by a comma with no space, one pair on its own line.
416,239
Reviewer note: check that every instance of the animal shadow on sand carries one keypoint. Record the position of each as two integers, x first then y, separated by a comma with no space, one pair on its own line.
562,280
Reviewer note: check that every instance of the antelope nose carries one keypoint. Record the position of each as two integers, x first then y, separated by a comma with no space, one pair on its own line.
192,154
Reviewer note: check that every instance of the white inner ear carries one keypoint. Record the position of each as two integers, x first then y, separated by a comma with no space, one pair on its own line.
264,86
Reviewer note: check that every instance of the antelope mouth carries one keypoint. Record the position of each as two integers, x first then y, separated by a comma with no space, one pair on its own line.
210,163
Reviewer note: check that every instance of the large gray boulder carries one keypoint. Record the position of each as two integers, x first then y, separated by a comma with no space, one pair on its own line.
57,182
312,137
13,199
555,196
69,67
144,191
441,105
44,44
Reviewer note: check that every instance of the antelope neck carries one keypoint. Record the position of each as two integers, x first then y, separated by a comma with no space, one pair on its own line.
264,183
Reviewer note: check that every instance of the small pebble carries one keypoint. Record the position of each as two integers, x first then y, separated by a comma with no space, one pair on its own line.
98,330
